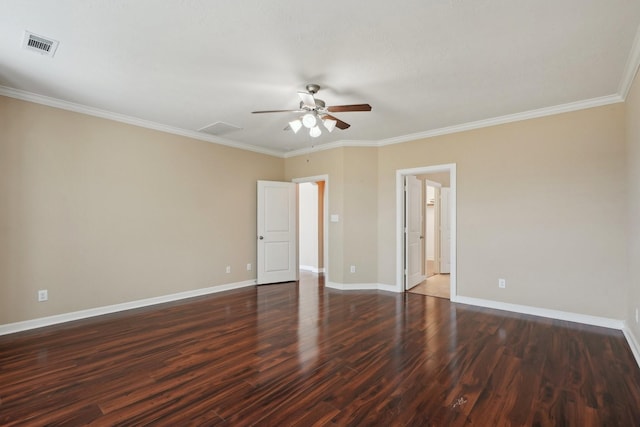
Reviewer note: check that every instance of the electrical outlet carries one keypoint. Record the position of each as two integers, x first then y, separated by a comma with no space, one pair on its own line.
502,283
43,295
248,267
353,269
228,269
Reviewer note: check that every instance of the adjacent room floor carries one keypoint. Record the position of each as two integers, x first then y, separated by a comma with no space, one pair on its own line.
302,354
437,285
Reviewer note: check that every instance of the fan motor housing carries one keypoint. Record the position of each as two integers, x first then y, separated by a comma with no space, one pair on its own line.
319,104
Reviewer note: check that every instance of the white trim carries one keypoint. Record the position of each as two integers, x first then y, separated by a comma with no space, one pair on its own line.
631,68
509,118
400,174
329,146
586,319
632,64
104,114
325,214
361,286
11,328
311,268
633,342
479,124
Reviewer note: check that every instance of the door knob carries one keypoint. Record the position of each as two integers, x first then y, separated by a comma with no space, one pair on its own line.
260,237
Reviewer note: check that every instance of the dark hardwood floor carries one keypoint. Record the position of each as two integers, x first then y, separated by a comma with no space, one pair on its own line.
290,354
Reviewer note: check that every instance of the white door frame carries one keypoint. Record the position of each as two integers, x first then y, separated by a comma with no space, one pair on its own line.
325,219
400,174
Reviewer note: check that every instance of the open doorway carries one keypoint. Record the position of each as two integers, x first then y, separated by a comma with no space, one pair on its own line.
310,235
437,252
312,225
436,236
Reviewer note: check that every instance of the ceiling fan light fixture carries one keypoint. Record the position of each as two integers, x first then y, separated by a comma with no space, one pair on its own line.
295,125
315,132
309,120
330,124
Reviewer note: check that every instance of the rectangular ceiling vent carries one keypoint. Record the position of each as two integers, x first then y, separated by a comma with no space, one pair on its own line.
42,45
219,128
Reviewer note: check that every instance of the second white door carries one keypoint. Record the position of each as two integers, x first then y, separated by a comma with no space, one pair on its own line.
277,232
413,232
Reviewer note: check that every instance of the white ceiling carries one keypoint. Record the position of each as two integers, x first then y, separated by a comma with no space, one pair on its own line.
422,65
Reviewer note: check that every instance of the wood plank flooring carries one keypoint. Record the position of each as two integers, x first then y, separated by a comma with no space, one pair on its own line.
301,354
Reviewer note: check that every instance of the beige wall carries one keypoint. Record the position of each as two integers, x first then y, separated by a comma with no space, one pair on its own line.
360,214
353,196
99,212
540,203
327,162
633,164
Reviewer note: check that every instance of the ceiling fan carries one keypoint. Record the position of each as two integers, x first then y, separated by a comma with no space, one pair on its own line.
314,110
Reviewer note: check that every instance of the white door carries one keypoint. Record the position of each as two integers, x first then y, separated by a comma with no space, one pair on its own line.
413,232
445,231
277,233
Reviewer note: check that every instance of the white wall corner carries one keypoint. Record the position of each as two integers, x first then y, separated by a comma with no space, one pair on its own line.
633,342
41,322
586,319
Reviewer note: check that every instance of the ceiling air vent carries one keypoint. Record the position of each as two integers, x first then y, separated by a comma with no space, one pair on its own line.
219,128
42,45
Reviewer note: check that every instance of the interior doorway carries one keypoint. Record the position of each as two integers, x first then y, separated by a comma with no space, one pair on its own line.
310,214
439,262
313,247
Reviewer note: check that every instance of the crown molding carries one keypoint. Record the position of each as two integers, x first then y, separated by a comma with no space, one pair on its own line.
634,58
96,112
510,118
631,67
329,146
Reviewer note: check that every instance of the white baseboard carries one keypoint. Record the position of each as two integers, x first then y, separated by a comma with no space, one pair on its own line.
311,269
361,286
11,328
605,322
633,342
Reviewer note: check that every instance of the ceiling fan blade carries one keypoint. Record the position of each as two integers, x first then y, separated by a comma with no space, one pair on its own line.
307,99
278,111
340,124
346,108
